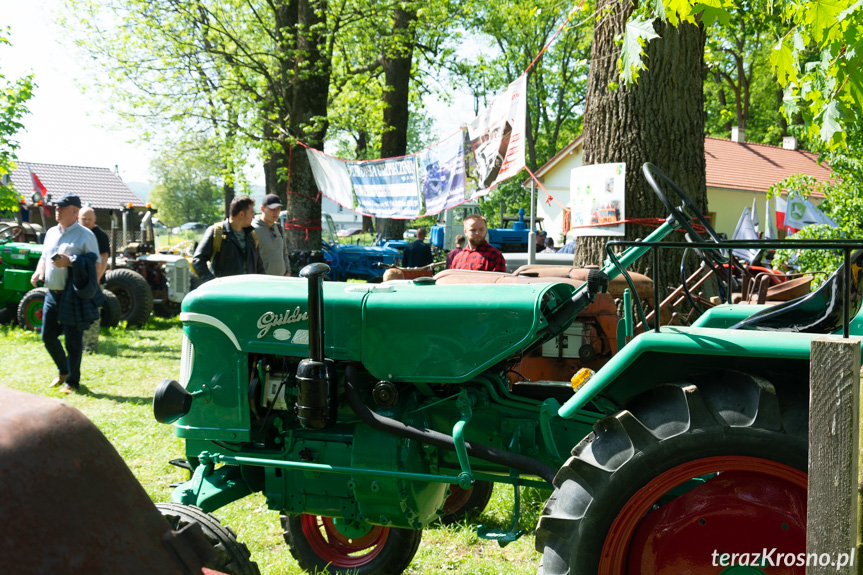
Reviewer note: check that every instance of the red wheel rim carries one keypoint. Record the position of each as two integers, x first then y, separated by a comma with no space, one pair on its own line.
747,495
339,550
457,499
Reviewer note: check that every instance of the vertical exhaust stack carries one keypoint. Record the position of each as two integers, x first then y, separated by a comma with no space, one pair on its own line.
316,376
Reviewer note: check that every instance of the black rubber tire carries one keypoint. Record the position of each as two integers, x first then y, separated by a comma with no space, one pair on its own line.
136,299
399,550
111,311
166,309
232,557
29,305
8,313
478,497
724,414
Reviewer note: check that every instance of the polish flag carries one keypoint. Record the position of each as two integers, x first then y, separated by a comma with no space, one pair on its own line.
781,206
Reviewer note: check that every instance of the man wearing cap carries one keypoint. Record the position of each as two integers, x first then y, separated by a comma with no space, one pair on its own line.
274,250
65,244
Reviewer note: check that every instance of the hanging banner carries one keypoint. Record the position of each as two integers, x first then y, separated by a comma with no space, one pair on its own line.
387,188
598,195
497,138
331,175
443,175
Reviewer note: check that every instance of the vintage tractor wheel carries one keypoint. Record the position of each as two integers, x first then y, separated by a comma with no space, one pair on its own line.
111,311
136,299
30,309
687,470
319,546
232,556
461,502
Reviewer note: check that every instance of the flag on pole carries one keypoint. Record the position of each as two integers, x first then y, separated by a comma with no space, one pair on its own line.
39,190
754,216
769,222
801,213
780,212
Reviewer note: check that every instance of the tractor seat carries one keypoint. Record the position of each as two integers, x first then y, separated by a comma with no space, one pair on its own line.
816,312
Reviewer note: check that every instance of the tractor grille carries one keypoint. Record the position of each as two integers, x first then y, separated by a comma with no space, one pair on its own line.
178,281
187,360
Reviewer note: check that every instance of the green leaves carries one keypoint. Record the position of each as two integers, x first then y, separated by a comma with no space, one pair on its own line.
14,95
831,122
637,34
821,15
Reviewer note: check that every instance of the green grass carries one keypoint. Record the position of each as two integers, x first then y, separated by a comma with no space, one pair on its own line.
117,389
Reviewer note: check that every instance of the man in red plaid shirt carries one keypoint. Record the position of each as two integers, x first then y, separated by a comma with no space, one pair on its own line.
478,254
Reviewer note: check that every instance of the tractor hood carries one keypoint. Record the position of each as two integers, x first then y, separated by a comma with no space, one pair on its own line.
17,252
400,332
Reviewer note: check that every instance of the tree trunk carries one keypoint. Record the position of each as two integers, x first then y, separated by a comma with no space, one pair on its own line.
301,113
397,78
659,120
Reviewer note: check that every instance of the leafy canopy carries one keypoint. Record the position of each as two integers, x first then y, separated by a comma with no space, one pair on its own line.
188,184
826,92
13,106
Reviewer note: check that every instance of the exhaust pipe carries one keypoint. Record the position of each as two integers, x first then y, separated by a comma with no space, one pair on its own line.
317,392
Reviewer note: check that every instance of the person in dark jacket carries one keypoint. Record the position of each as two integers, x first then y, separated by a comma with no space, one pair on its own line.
417,253
87,218
230,248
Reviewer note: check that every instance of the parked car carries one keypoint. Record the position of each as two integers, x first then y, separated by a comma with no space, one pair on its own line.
349,232
190,226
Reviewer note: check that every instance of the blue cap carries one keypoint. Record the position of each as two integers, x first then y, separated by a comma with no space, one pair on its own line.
68,200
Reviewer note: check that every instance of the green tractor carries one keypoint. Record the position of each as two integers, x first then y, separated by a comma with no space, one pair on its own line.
358,429
19,300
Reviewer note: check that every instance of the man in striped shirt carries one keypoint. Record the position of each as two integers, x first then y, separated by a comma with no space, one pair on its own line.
478,254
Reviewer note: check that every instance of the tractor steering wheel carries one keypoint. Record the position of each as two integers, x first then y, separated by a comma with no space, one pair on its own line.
9,231
681,217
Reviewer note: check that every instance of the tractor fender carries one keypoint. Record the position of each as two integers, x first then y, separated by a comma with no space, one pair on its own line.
676,351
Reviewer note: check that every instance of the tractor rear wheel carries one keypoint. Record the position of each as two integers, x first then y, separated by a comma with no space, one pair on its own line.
232,557
462,502
686,471
320,546
136,299
30,309
111,311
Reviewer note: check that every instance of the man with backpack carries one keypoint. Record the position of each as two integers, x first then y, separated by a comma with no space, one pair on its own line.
230,247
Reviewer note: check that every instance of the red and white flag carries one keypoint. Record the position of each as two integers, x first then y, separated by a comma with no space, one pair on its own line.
39,188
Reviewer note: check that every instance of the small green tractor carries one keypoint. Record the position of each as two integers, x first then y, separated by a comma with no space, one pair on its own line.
357,426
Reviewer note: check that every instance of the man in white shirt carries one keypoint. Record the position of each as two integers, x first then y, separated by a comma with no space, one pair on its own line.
63,244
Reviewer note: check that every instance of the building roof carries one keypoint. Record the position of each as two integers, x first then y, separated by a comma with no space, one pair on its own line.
99,187
733,166
756,167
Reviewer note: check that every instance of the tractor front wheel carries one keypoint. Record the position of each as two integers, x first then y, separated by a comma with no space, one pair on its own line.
30,309
111,310
685,474
232,557
321,546
136,298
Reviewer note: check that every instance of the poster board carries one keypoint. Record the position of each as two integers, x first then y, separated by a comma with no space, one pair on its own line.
598,199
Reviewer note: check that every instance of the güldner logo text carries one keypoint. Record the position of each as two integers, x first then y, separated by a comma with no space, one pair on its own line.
271,319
